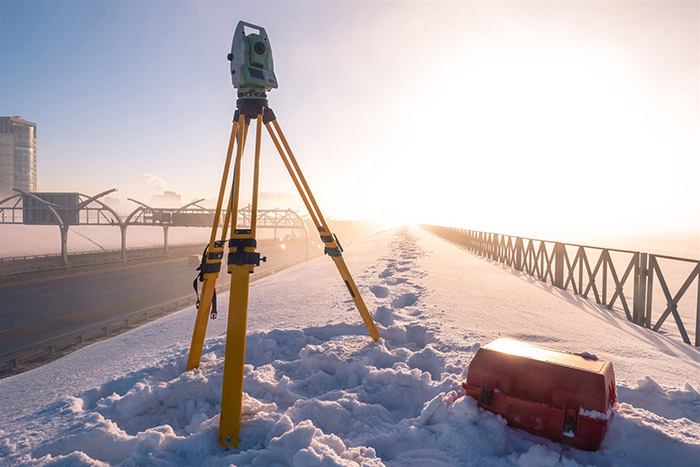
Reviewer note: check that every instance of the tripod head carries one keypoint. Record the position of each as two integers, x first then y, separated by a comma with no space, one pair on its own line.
252,70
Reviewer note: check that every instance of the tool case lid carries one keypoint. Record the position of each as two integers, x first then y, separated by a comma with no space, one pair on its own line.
541,375
525,350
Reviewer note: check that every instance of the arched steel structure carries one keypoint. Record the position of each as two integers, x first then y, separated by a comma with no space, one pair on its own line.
64,215
147,215
89,210
279,219
194,215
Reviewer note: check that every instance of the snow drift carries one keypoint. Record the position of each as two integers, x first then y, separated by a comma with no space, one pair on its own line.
319,392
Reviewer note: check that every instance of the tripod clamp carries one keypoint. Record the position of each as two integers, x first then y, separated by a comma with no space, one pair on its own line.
331,251
239,256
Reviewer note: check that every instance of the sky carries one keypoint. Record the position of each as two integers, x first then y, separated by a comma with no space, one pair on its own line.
518,117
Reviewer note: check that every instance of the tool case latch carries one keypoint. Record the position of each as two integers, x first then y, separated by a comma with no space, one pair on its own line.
487,395
570,422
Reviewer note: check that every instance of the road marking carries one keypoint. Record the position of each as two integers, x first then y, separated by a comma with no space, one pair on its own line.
100,268
32,290
113,291
56,293
108,306
132,302
151,274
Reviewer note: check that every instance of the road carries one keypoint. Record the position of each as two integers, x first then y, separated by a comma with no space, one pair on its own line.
35,311
12,266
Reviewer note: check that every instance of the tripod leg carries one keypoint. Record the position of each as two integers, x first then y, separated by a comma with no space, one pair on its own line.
232,389
242,259
211,265
333,249
229,209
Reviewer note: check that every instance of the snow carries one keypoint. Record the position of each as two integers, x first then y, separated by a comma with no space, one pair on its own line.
318,391
594,414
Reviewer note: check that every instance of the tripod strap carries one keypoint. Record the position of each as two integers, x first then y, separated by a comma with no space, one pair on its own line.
212,315
206,268
196,291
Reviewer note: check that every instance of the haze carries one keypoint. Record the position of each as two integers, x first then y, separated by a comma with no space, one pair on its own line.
530,118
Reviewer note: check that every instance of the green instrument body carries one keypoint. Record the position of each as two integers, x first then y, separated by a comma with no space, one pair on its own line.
252,68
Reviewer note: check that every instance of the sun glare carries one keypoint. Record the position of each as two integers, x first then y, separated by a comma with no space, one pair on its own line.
555,130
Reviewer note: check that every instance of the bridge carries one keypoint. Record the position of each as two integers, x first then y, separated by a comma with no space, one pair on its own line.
66,209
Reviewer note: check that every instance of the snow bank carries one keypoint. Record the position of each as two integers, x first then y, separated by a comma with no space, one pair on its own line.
324,394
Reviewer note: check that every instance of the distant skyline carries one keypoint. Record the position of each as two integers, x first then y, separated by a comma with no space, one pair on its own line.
518,117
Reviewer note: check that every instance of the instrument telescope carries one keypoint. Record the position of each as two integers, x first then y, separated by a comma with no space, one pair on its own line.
252,68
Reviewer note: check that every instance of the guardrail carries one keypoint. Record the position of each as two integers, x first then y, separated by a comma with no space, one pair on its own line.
81,336
9,259
30,264
595,269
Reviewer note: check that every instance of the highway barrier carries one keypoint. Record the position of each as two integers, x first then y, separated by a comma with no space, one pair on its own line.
48,262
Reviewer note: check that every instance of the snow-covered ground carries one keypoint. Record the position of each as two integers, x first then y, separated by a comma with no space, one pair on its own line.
319,392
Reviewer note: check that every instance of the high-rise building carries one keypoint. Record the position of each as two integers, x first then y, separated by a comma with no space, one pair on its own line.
17,155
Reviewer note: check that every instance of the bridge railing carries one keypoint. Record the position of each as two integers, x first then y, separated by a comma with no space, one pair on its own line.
634,282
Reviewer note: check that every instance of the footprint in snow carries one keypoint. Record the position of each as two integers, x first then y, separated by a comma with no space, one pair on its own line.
415,312
379,291
404,300
384,316
396,280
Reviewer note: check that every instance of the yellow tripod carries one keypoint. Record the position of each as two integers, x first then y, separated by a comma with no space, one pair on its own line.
242,258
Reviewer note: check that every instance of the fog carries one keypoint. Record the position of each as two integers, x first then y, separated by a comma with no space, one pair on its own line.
22,240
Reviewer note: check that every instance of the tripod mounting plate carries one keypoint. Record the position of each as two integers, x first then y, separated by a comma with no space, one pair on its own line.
251,108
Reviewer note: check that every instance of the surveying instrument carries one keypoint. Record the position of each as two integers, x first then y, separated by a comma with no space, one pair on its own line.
252,75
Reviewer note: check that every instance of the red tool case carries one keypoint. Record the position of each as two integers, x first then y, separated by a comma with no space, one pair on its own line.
559,395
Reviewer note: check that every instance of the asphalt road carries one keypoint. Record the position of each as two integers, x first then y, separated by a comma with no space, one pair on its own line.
9,266
35,311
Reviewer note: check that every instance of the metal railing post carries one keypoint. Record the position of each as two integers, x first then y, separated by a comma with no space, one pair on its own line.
604,292
494,247
697,317
497,247
640,286
650,290
518,254
558,253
